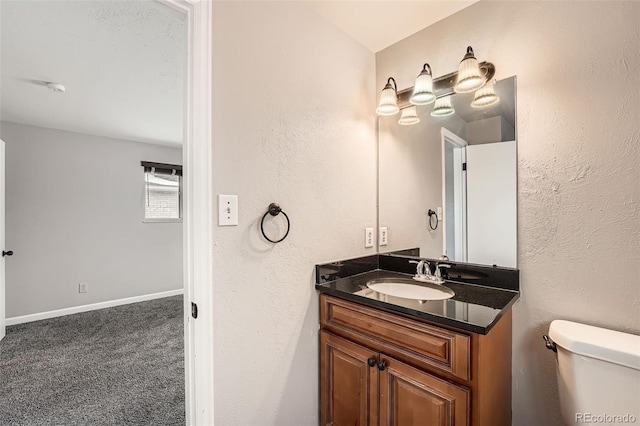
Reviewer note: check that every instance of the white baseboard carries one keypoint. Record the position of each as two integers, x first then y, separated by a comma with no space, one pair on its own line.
91,307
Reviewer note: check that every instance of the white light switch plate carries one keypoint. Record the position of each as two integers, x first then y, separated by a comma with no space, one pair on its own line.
227,210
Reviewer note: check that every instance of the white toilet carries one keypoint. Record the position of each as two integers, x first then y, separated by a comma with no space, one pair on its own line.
598,374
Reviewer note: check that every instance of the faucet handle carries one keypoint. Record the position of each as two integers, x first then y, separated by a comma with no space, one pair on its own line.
426,269
438,273
422,268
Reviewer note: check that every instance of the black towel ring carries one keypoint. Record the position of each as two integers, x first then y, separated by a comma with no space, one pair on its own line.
274,210
431,215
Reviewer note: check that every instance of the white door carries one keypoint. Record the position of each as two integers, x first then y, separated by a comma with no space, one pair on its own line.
491,204
2,308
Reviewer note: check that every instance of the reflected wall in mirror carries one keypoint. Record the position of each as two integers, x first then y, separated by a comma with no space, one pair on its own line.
464,166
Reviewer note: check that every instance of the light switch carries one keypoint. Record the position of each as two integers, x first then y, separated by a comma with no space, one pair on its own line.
227,210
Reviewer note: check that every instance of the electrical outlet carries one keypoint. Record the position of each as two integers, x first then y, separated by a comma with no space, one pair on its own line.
439,213
368,237
83,287
384,237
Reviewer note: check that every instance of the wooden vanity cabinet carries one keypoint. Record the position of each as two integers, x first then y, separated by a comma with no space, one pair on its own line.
348,384
381,368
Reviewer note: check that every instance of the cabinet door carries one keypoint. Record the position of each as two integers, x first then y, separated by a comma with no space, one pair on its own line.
410,397
348,384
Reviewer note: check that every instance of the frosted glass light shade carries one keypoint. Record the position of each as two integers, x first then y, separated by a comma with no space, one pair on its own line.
423,89
486,95
470,78
443,107
409,116
388,100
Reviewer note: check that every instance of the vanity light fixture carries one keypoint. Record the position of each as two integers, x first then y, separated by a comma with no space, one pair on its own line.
443,107
423,89
409,116
486,95
470,77
388,99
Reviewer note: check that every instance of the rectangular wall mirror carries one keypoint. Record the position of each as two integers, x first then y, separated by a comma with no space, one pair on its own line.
463,168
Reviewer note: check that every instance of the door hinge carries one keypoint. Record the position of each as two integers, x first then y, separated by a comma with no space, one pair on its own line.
194,310
464,167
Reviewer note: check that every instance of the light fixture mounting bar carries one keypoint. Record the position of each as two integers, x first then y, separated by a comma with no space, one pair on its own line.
443,86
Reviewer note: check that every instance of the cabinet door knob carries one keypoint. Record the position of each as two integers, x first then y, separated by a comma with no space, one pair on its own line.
7,253
372,362
382,365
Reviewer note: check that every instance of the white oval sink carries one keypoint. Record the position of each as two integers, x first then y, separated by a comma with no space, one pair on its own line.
410,289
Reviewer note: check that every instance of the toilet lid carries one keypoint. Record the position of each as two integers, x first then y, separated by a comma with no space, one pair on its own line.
595,342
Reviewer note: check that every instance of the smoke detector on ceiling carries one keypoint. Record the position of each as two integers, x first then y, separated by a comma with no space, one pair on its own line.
56,87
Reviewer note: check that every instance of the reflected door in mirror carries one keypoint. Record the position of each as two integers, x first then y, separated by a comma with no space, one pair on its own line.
491,204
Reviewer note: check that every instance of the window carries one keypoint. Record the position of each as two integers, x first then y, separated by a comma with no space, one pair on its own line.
162,192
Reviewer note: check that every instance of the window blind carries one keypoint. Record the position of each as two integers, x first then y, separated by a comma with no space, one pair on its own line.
162,168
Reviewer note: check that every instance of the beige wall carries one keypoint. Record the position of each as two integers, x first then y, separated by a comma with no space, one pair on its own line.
293,119
578,154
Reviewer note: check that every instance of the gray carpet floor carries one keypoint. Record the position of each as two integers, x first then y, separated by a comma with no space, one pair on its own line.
115,366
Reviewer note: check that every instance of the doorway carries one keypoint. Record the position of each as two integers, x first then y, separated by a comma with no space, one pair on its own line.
197,211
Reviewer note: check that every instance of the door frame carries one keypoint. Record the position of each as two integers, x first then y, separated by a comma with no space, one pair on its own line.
2,241
198,211
460,189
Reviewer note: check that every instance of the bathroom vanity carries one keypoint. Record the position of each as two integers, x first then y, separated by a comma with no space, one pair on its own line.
388,360
390,354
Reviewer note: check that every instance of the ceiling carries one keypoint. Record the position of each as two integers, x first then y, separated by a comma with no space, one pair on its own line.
122,62
379,24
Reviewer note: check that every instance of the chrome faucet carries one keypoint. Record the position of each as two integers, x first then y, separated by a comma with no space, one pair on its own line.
437,277
423,270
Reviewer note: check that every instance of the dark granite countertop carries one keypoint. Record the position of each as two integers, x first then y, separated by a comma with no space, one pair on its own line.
474,308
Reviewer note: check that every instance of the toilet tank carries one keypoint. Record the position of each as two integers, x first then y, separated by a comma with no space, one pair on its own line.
598,374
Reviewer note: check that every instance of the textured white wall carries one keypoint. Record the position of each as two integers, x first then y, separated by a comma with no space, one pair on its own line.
578,154
293,119
74,210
